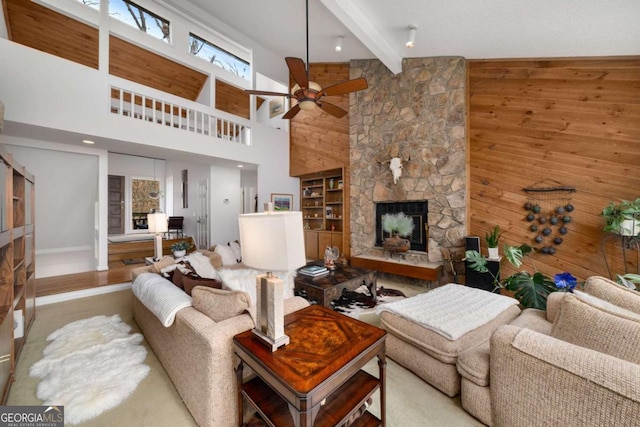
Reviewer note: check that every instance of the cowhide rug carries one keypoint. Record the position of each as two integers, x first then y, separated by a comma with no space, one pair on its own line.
359,302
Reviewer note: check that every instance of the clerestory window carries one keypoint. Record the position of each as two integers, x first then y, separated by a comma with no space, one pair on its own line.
217,56
136,16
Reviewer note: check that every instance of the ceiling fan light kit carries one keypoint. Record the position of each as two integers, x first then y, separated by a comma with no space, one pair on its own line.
308,93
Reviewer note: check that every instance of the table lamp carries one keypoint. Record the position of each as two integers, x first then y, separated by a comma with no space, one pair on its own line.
157,224
271,241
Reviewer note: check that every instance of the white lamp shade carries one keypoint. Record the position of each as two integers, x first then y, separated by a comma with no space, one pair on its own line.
157,222
272,241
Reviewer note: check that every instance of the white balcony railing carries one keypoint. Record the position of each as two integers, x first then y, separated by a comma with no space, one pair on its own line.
128,103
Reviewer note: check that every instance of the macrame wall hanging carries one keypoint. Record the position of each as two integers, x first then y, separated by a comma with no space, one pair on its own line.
549,210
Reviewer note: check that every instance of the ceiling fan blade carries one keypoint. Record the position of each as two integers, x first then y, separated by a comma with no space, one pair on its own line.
267,93
292,112
346,87
334,110
298,71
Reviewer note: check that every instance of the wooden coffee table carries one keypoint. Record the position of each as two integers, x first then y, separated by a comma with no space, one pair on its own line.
328,287
317,379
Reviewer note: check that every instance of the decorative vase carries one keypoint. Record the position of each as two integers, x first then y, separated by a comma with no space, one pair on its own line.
493,254
179,254
396,244
331,183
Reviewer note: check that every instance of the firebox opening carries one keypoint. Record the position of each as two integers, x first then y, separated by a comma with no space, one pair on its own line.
417,210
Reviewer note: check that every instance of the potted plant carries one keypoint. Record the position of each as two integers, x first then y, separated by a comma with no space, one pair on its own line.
492,238
180,248
530,289
398,225
622,217
630,280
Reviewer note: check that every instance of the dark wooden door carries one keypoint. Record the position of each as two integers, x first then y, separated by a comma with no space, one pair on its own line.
116,204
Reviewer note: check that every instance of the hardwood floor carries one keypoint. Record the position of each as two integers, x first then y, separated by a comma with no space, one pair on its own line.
118,272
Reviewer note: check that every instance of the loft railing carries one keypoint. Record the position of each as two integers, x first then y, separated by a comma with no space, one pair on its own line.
128,103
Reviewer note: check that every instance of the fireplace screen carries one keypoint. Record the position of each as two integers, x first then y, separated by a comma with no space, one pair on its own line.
417,210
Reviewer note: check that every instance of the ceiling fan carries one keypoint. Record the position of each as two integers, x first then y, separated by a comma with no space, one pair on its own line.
309,93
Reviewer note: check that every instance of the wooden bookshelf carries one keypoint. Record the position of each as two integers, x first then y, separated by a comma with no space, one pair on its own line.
17,264
325,212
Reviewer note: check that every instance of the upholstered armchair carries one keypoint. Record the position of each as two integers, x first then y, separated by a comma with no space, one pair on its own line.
585,372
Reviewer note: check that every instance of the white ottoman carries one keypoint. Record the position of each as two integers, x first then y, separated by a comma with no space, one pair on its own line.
427,332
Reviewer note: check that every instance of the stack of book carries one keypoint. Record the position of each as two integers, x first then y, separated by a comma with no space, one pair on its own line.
313,270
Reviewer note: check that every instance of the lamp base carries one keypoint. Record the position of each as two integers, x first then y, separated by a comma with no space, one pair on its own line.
273,344
270,311
157,247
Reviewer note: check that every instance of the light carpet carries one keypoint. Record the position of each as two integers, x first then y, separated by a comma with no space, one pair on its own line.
90,366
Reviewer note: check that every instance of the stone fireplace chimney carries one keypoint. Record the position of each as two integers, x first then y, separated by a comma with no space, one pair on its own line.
421,113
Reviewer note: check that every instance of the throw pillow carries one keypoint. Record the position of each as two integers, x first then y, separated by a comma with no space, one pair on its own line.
610,291
589,322
164,262
176,278
189,282
235,247
226,253
219,304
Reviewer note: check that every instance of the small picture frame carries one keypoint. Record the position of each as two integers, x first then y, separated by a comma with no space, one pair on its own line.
282,202
276,107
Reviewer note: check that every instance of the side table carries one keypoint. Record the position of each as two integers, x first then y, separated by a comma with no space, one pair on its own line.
317,379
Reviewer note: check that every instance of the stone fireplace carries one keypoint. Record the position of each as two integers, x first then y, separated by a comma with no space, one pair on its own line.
417,210
418,115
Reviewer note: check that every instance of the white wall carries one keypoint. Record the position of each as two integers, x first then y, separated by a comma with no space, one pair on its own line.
226,204
195,174
66,193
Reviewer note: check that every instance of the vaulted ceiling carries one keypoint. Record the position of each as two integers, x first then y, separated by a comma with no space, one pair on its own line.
470,28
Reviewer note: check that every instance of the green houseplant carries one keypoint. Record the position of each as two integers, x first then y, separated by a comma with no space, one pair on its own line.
493,238
398,225
530,289
180,248
622,217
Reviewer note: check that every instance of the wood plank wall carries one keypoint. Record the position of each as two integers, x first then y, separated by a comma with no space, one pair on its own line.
575,121
39,27
319,141
232,99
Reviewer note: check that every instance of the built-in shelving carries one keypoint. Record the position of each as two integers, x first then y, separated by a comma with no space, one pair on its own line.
322,201
17,263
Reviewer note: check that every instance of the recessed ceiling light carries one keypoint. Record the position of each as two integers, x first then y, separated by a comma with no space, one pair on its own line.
240,166
88,141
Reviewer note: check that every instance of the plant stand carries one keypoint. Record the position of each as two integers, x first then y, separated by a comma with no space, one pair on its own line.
625,243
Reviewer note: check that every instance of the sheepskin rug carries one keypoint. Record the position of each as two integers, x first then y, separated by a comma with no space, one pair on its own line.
90,366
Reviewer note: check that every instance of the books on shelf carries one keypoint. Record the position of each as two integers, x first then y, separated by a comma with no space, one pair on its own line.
313,270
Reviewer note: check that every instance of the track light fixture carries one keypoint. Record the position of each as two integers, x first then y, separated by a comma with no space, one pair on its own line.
339,43
411,39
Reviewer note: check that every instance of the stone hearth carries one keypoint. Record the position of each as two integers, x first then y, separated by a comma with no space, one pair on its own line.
419,113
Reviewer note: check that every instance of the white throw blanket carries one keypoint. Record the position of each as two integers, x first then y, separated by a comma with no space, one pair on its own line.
451,310
160,296
202,266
